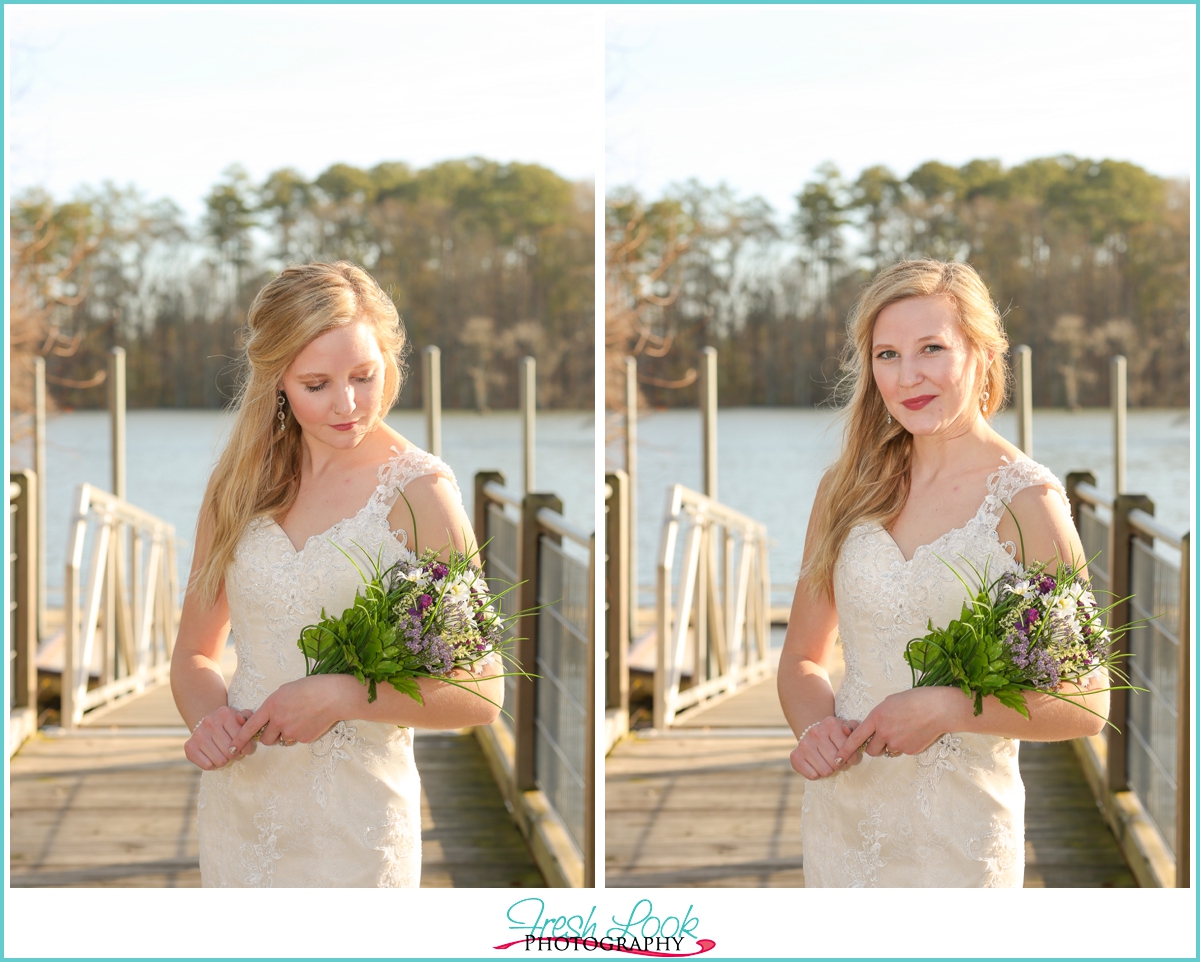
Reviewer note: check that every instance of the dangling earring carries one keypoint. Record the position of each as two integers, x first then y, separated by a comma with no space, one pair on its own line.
889,420
282,416
983,401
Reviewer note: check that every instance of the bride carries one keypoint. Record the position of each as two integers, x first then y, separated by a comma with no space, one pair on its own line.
907,787
329,794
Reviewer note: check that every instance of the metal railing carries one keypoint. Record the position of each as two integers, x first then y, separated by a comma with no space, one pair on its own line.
22,605
563,756
126,611
527,542
719,609
1151,754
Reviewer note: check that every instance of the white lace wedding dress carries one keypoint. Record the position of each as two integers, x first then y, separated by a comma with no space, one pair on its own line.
344,810
954,814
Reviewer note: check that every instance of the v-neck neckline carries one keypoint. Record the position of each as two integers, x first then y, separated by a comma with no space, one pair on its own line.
297,552
320,534
991,490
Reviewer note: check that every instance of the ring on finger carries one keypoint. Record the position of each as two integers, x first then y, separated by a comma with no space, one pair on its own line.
892,754
863,746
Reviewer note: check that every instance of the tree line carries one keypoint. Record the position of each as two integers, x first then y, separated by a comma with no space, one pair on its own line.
488,261
1086,259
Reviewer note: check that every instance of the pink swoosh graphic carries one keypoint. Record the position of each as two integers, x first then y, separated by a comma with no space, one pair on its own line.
706,945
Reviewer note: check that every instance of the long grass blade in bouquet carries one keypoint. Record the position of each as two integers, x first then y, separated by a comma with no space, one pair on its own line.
1030,630
421,617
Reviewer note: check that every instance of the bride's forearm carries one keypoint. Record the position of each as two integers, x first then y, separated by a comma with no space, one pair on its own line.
805,692
470,701
198,686
1051,719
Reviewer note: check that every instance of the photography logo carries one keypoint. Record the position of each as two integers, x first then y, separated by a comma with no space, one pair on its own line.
640,931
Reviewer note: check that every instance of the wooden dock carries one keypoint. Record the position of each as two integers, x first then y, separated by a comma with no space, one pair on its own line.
715,803
114,804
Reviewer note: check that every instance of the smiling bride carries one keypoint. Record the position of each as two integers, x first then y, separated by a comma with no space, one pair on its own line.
907,786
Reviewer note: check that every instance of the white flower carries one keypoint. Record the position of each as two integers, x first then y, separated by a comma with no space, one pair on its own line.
458,593
1022,588
1065,603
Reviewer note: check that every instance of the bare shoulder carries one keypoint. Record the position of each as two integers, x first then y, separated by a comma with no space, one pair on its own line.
431,511
1038,522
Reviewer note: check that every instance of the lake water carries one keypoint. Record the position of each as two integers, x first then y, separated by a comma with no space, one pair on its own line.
170,454
771,459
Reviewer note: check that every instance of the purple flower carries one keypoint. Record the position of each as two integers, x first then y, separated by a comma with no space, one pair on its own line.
439,571
1046,585
1031,617
423,602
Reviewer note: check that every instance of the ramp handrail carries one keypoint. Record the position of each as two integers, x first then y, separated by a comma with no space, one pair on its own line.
726,618
131,594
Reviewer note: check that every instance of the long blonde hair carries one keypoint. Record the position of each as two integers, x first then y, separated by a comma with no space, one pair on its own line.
259,471
869,480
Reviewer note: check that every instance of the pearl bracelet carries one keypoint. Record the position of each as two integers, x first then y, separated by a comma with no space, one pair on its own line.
808,729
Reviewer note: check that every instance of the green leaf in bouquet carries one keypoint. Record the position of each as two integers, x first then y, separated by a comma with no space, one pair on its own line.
1013,699
407,685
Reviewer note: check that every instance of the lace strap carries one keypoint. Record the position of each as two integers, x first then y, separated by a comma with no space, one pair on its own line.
1012,477
404,467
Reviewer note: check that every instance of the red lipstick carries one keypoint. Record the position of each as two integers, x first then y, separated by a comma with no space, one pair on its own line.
916,403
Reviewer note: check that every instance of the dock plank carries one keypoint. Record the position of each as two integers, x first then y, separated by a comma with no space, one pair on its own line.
116,806
716,803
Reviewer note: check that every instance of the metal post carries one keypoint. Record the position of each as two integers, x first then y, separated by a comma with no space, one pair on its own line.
23,590
1183,731
528,391
431,393
481,510
39,468
1074,479
1023,369
616,585
631,428
708,418
1120,586
525,702
1118,395
116,412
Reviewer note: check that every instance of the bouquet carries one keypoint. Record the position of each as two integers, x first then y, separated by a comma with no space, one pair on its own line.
1029,630
420,618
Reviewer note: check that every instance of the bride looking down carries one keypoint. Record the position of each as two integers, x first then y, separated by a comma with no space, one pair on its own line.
908,787
330,794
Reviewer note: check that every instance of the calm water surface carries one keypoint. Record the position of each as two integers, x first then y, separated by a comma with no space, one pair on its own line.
771,459
170,454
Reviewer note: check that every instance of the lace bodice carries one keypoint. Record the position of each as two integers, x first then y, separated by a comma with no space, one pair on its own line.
952,815
345,809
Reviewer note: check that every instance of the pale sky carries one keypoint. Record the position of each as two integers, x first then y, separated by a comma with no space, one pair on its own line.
166,97
760,96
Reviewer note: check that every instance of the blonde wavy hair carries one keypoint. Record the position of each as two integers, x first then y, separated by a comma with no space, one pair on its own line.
258,472
869,480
